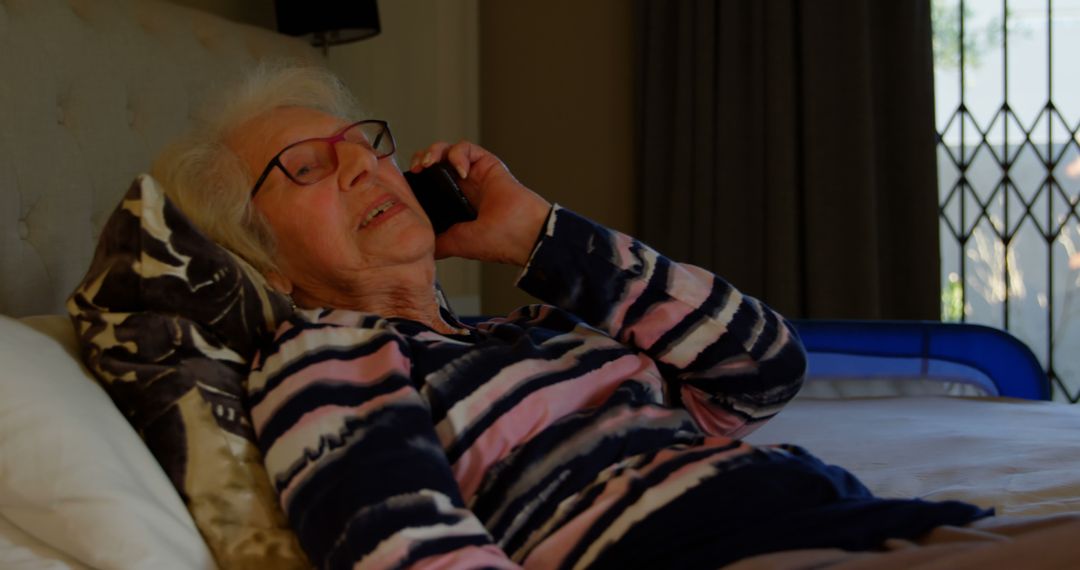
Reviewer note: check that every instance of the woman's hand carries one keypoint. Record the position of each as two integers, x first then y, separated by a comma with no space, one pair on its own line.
509,215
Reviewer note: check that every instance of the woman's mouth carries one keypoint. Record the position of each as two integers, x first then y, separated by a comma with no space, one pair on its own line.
377,212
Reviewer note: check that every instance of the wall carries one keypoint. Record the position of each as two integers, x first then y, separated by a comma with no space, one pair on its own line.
556,92
548,86
255,12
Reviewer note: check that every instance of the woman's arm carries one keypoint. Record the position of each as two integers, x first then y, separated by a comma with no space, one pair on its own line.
352,453
733,361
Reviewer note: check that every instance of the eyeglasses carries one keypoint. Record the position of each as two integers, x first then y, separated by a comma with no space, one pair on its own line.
312,160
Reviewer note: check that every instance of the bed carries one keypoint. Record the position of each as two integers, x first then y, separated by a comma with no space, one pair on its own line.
101,86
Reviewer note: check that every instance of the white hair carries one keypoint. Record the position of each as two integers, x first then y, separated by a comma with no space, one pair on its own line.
211,184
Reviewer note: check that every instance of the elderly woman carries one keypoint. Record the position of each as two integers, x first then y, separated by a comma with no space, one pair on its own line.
598,430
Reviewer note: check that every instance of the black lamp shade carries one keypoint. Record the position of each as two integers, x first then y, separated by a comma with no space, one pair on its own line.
328,22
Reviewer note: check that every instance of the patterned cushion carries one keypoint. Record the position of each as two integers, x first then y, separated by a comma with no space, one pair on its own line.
168,322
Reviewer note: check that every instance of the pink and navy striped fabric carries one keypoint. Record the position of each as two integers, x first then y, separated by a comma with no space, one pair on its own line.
571,434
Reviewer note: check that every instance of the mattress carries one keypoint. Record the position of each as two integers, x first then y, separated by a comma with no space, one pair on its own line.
1020,457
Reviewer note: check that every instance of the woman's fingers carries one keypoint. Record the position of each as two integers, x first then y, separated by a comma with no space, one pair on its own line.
426,157
462,155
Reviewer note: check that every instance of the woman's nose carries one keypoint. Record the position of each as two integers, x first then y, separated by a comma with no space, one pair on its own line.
356,165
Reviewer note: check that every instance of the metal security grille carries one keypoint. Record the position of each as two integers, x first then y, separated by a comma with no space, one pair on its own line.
1009,173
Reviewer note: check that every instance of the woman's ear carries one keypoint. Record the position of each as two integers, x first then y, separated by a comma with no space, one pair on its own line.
279,282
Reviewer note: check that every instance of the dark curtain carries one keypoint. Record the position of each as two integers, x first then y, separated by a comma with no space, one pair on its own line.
789,146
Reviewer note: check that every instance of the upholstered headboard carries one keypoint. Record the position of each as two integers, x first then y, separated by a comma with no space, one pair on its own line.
90,92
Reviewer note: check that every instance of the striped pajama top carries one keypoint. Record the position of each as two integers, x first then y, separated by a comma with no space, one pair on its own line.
570,434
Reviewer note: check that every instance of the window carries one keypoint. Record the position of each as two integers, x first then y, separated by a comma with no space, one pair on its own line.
1008,113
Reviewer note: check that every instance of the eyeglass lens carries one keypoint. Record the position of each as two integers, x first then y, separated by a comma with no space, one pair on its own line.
311,161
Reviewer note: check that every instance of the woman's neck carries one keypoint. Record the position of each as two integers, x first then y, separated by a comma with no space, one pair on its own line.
409,295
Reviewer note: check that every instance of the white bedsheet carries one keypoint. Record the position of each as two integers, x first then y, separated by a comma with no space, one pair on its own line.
1020,457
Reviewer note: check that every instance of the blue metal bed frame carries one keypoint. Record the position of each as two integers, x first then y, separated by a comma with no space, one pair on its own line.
989,358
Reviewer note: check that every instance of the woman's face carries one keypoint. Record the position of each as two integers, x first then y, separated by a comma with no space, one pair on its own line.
354,229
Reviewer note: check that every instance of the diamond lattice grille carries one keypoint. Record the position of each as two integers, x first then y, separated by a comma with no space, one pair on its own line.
1009,174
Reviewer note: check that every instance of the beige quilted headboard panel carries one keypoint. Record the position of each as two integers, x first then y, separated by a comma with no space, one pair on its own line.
90,91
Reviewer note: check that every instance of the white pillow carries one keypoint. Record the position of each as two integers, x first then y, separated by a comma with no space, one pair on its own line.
73,473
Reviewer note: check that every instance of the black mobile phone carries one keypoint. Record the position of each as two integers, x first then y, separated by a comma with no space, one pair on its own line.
436,188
